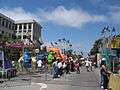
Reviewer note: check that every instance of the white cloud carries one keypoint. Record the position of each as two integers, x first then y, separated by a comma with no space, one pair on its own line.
60,16
77,45
18,13
114,14
72,17
115,17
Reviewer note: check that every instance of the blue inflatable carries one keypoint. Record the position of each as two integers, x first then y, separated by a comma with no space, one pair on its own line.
27,59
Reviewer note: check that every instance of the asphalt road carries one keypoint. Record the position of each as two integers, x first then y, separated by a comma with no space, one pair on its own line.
83,81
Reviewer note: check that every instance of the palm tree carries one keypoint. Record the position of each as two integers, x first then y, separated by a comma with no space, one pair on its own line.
96,46
115,42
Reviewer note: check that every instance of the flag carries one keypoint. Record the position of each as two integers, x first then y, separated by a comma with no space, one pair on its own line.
103,31
113,30
52,44
107,28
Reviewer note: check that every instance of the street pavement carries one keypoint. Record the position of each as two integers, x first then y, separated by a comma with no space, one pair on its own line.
83,81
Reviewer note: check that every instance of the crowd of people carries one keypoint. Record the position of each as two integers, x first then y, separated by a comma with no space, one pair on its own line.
60,67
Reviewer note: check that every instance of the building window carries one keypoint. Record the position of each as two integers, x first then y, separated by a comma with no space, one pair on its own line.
29,36
9,35
3,22
29,30
29,26
25,27
15,27
15,31
19,37
24,36
24,30
20,26
10,25
0,20
2,32
20,31
6,24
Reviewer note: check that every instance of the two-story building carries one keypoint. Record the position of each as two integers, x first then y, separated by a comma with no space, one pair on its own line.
7,25
23,29
29,29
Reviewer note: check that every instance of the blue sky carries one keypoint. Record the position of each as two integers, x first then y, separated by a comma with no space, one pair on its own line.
79,21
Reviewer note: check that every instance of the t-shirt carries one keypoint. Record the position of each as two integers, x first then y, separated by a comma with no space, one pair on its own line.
39,63
59,64
86,63
64,65
77,65
55,64
90,63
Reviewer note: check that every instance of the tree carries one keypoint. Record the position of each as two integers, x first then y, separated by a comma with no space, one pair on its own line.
5,37
96,46
11,54
115,42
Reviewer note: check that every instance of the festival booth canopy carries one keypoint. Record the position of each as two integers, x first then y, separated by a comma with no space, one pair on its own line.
19,45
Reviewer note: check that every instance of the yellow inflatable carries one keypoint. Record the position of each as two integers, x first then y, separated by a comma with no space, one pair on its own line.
33,59
33,62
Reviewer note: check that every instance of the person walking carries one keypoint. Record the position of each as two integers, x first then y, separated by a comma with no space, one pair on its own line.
67,68
105,74
100,63
87,65
60,67
71,64
64,66
55,69
77,65
39,65
90,65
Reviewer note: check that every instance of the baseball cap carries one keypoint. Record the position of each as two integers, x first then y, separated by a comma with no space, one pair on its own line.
103,59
